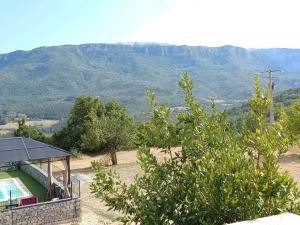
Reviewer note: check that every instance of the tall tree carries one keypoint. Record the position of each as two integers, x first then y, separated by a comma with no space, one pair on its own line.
96,127
70,136
110,131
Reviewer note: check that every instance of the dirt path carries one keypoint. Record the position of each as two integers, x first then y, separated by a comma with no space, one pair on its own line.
95,212
291,163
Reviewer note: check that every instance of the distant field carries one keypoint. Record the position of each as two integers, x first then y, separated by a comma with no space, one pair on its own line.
9,127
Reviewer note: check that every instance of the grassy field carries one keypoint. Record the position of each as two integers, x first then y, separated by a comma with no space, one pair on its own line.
10,127
33,186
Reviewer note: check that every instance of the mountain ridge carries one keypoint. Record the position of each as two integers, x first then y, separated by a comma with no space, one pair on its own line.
43,82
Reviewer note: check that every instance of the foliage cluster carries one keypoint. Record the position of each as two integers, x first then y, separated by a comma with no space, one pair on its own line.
293,113
94,127
28,131
284,99
220,175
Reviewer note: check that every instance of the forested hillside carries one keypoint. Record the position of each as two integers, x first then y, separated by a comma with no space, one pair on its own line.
44,82
281,99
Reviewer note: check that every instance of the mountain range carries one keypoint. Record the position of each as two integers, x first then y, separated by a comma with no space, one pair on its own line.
43,82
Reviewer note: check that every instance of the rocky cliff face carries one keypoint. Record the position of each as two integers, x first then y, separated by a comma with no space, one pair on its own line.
43,82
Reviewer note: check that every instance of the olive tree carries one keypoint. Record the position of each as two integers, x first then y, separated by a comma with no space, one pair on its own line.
95,127
110,131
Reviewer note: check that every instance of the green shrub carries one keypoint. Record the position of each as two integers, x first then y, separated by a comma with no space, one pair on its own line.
220,176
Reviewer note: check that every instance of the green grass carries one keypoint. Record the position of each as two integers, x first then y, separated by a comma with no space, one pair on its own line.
33,186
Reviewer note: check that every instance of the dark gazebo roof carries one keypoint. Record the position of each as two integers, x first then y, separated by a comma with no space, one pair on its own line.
18,149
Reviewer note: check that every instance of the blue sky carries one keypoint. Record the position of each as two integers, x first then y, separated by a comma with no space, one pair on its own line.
27,24
32,23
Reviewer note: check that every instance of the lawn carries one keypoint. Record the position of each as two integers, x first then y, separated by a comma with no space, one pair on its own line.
33,186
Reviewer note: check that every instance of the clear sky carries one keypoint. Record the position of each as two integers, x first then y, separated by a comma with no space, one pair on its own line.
27,24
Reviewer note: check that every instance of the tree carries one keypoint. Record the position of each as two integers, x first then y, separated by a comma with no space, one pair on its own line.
110,131
28,131
95,127
220,176
70,136
294,118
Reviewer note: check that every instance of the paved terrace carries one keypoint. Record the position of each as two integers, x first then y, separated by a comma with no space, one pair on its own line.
282,219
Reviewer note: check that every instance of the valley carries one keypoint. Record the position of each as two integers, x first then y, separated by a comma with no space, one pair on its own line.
46,80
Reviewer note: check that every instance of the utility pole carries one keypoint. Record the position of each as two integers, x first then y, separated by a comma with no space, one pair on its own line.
271,88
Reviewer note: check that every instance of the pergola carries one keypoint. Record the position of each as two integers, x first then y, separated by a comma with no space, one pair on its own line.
18,149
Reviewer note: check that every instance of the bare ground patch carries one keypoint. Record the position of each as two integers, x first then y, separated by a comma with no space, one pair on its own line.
291,163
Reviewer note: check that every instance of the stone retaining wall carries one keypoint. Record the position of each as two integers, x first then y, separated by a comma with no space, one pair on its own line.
42,177
38,174
5,218
10,166
55,212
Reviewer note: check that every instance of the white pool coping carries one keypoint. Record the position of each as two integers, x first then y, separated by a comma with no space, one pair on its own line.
17,181
282,219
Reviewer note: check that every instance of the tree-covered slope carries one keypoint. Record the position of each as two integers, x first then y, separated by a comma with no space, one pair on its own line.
283,98
42,83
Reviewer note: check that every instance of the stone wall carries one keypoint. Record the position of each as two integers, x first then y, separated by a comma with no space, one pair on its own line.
38,174
5,218
42,177
55,212
10,166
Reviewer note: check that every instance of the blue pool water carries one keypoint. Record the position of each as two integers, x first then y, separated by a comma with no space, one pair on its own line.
8,187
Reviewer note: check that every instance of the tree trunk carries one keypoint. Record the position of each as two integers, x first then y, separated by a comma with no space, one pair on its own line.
113,156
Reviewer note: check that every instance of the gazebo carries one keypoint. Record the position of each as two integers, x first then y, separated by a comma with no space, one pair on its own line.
19,149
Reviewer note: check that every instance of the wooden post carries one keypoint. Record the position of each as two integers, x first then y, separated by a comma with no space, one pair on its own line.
50,180
66,177
69,169
272,119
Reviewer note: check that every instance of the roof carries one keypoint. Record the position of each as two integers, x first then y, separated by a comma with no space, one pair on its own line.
285,218
18,149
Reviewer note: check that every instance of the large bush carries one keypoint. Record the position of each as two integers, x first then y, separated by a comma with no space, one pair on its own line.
220,176
294,118
28,131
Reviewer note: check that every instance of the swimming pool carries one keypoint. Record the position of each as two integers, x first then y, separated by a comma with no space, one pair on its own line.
12,187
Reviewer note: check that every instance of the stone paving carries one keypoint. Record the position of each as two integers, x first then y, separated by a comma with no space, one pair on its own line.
282,219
